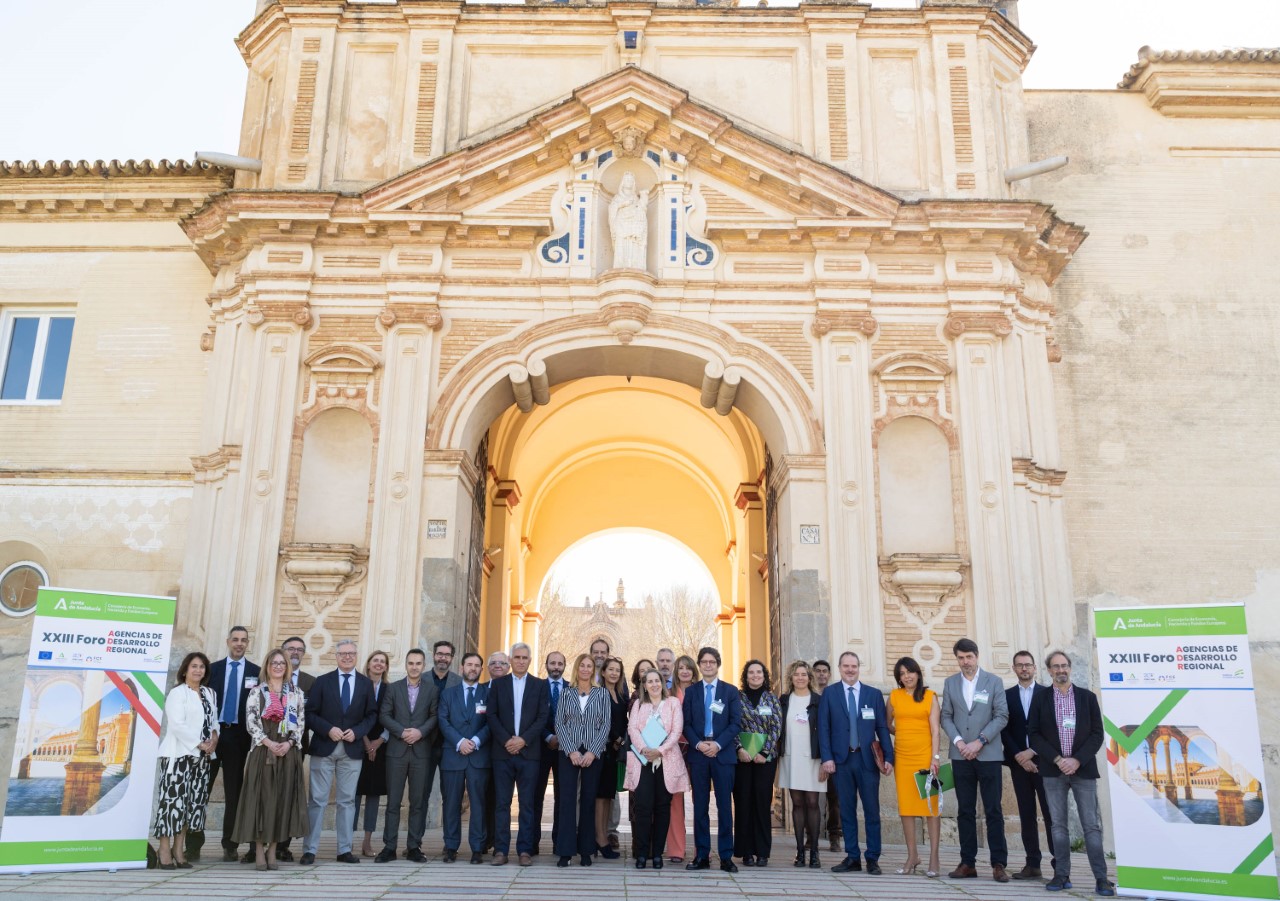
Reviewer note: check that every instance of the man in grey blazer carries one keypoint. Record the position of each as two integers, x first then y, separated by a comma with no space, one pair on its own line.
408,712
974,713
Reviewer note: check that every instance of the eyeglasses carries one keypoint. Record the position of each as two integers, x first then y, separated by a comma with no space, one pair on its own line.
1060,666
346,653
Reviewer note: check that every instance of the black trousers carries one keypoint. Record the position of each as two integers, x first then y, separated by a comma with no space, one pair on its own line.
650,814
233,751
545,764
832,801
578,785
753,809
1027,788
974,777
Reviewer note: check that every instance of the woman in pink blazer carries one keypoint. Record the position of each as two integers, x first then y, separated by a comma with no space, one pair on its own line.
652,783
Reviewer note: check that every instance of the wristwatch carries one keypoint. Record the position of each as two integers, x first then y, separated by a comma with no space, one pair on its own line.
983,739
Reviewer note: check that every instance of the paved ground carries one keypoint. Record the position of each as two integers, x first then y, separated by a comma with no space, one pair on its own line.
614,879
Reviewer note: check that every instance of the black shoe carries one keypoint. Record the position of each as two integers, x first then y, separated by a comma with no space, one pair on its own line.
873,867
748,860
230,855
563,861
585,860
307,859
1057,884
249,857
284,854
166,866
762,861
728,866
698,864
450,855
1104,888
348,857
657,863
814,862
848,865
477,857
641,863
799,859
416,855
384,856
608,853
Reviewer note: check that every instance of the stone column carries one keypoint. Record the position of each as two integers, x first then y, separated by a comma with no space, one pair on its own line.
444,541
750,553
83,785
501,592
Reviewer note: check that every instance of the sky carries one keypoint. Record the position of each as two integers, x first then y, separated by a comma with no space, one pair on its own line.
152,79
646,561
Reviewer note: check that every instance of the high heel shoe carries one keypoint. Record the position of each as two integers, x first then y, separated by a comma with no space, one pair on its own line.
905,870
657,863
181,864
607,853
167,866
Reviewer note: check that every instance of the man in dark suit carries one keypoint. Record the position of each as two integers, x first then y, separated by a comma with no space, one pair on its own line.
340,713
442,677
296,648
1019,757
231,678
712,717
517,712
408,713
499,664
851,717
1065,724
466,762
554,666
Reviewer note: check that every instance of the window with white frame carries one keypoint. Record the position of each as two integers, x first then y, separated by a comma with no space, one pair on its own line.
34,350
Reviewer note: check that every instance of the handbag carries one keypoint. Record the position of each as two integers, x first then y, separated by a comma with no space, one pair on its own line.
878,753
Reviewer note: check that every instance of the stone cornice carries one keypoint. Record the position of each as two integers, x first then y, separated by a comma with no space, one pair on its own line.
130,190
1239,83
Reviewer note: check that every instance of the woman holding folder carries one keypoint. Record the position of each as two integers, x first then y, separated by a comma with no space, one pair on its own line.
913,715
582,728
757,764
655,725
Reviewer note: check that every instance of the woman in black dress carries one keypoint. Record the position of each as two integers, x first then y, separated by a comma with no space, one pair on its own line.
607,789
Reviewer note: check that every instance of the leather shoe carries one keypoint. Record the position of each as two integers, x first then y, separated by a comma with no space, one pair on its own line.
229,855
698,864
1027,872
526,860
762,861
873,867
848,865
450,855
999,873
499,860
657,863
249,857
284,854
964,871
385,855
348,857
416,856
477,857
749,860
728,866
641,863
564,861
307,859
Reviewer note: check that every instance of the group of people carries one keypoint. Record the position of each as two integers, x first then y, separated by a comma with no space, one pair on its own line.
674,727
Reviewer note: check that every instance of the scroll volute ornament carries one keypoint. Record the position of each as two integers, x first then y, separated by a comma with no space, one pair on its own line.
859,321
427,314
960,323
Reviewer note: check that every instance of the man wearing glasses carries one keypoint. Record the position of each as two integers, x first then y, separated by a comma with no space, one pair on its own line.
1028,783
340,713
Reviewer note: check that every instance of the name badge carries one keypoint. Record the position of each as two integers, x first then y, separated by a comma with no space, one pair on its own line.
982,697
1068,722
868,713
717,706
482,708
766,710
251,682
802,716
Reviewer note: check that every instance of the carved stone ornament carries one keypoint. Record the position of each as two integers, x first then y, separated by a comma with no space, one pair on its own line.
323,571
629,141
426,313
206,341
924,581
852,321
629,226
996,323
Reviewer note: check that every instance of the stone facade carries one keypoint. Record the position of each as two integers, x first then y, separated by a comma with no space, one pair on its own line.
859,368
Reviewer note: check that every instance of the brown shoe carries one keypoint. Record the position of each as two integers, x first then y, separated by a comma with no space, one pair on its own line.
964,871
499,860
999,874
526,860
1027,873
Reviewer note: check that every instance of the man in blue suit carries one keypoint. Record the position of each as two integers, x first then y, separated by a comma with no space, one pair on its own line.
712,719
340,713
518,706
465,726
851,716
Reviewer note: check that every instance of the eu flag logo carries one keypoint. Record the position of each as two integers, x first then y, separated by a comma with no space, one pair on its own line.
1116,677
45,655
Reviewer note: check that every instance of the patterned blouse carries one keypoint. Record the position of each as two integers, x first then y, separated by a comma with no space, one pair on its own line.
765,718
294,723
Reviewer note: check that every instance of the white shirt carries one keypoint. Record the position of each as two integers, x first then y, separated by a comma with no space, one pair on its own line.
967,688
582,702
1024,695
517,698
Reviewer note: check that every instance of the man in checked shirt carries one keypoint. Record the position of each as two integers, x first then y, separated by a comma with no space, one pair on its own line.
1065,726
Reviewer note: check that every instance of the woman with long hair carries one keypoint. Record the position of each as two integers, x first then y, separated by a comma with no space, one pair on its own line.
373,768
188,735
663,773
913,715
686,673
799,760
273,801
643,665
607,787
753,781
582,728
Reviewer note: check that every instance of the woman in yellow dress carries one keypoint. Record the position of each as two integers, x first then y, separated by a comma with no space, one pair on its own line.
913,719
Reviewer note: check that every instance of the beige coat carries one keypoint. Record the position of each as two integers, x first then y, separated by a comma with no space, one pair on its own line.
675,774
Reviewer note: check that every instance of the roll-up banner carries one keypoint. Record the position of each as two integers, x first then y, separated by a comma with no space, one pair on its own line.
84,761
1188,798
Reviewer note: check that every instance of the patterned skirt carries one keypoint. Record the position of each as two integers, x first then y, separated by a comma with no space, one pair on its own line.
184,792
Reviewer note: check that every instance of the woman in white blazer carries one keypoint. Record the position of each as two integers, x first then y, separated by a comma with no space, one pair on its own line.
663,775
188,736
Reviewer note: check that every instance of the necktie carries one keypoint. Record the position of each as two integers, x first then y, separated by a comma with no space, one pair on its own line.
555,693
710,696
853,719
231,697
471,699
346,691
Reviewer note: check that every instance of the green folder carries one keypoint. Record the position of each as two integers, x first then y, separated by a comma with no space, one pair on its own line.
752,742
945,778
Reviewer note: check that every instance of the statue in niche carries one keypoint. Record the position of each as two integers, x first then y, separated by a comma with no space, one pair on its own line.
629,225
